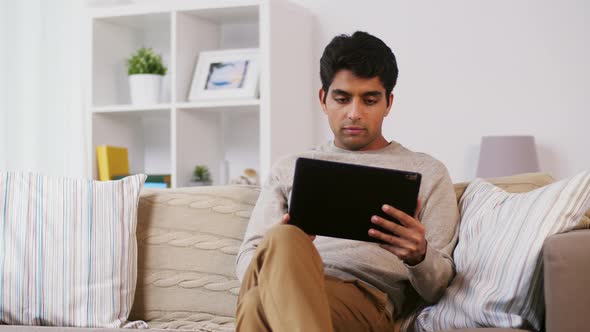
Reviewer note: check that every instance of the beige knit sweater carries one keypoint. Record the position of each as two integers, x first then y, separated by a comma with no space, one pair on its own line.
365,261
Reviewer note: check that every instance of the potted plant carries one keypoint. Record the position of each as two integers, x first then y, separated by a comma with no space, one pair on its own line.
145,69
201,176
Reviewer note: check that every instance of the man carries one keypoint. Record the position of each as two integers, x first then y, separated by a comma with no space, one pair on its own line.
291,282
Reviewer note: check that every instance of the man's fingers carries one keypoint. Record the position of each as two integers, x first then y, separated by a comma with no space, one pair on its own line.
410,244
410,247
389,239
400,215
285,219
391,226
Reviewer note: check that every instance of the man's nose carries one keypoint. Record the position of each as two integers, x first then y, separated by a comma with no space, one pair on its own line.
355,111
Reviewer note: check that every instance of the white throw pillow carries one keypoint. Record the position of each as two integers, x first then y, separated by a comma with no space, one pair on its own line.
499,266
68,250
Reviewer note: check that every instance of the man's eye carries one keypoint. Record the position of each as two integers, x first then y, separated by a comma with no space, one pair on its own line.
371,101
341,100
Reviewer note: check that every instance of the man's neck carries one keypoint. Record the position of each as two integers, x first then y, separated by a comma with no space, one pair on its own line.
378,144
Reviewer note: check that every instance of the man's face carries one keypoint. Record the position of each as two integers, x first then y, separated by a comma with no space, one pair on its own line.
356,108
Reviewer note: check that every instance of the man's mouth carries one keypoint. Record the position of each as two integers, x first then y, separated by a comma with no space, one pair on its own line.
353,130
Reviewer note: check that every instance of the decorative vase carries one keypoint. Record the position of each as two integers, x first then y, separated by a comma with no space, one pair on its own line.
145,88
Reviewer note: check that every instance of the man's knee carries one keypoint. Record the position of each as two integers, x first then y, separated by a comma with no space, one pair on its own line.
285,233
284,244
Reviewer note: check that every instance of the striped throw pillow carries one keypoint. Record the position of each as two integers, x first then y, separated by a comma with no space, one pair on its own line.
499,272
68,250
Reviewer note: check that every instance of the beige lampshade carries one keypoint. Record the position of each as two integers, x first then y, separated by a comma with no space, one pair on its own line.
507,155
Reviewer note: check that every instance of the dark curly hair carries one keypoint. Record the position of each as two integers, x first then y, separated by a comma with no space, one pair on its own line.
365,55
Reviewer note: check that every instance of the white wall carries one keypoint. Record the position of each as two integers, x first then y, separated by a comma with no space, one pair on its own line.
468,69
474,68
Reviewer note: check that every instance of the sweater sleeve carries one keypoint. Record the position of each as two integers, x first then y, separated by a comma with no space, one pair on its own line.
268,211
440,216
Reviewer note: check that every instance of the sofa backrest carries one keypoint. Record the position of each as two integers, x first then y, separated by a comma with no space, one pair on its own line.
515,184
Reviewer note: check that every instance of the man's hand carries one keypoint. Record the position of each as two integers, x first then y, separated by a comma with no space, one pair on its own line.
285,221
410,243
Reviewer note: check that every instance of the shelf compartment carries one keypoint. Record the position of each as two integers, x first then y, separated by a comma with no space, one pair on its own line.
211,29
146,135
114,40
225,142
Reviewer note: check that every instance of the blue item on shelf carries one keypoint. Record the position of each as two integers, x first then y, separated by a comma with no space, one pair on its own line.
157,185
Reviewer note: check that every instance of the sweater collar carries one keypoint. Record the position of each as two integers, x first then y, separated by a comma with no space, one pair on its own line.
393,145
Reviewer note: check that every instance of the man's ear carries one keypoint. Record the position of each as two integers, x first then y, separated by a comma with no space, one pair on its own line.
321,95
390,103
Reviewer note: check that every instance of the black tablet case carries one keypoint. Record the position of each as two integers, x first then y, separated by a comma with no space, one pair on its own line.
338,199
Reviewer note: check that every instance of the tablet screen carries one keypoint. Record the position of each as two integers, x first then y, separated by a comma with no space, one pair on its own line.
338,199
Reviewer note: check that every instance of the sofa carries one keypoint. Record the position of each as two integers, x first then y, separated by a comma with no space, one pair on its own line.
188,239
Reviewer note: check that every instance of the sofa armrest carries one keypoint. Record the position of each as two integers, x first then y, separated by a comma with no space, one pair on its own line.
567,272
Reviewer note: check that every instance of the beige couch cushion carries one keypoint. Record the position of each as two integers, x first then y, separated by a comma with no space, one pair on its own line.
187,242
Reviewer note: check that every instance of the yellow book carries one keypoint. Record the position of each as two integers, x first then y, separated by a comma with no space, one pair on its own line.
112,161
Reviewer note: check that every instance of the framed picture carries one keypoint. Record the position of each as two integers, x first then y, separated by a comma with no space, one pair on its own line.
225,74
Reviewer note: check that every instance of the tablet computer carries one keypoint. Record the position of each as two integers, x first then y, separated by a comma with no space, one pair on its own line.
338,199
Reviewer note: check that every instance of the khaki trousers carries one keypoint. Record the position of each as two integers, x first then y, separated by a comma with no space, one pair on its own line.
285,289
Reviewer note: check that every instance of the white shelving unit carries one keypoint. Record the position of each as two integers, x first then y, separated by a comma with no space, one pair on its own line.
226,135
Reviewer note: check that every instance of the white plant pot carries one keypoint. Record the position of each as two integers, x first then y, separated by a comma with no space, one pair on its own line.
199,183
145,88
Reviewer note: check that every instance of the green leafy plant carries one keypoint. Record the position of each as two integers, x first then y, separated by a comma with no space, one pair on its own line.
145,61
201,173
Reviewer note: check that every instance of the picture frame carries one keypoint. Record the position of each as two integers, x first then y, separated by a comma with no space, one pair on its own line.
226,74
